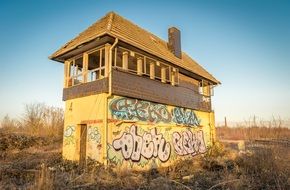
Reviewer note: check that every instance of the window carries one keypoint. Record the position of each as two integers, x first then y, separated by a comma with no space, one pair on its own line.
205,88
90,66
75,71
139,64
96,65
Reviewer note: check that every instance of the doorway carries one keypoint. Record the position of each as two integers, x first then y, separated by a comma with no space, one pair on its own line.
83,145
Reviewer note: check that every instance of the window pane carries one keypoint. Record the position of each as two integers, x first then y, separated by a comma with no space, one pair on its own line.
157,71
119,58
79,63
102,73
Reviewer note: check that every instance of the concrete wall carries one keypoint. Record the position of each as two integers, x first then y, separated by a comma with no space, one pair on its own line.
140,134
86,110
143,134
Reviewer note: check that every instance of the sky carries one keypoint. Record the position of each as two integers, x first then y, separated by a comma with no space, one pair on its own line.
244,44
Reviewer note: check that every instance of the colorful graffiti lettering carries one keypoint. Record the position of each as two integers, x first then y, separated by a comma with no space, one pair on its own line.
69,135
94,135
185,116
150,145
133,109
188,143
129,109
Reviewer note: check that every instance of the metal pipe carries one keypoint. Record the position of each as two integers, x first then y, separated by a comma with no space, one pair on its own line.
107,102
110,66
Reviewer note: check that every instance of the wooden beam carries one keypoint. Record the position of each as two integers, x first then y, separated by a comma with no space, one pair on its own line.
107,55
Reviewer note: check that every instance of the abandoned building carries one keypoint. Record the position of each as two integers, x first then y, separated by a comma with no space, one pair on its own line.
133,99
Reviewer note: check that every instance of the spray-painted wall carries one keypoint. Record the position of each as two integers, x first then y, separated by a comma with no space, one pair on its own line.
143,134
139,135
87,110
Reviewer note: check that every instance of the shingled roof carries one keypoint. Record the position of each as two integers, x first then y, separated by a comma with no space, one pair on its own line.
119,27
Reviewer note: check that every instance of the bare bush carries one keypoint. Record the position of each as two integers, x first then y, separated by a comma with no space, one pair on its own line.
42,120
38,119
10,125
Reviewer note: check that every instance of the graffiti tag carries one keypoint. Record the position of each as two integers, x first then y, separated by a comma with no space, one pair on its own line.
69,135
185,116
129,109
150,145
188,143
94,135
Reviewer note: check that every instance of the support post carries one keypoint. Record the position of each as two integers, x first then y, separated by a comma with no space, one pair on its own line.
85,67
152,70
66,73
139,66
163,74
107,57
125,60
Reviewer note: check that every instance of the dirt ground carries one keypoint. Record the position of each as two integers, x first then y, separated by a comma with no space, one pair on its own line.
28,162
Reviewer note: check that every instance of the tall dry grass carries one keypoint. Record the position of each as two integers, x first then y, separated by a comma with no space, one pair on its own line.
252,133
255,128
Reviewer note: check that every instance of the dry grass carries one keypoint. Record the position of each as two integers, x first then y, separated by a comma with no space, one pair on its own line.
30,158
255,128
252,133
41,167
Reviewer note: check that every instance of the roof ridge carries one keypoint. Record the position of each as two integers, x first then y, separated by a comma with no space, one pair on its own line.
110,21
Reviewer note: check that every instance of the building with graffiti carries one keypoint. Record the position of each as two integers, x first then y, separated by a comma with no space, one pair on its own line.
133,99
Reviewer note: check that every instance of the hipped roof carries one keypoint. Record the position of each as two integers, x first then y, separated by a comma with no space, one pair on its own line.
116,26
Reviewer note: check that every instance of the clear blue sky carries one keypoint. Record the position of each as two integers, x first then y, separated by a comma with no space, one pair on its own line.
245,44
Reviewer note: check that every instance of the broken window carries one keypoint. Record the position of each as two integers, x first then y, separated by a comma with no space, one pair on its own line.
205,88
75,71
96,65
139,64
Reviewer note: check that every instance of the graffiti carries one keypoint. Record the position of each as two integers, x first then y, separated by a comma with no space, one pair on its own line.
94,135
150,145
115,133
129,109
133,109
69,135
188,143
185,116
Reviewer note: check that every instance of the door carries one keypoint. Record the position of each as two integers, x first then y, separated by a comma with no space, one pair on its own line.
83,145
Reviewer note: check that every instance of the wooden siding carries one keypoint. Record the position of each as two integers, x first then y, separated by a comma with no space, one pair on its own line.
184,95
126,84
86,89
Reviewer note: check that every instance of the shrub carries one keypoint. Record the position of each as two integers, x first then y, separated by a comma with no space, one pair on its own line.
38,120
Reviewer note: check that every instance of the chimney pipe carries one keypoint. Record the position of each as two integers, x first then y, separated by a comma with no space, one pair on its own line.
174,43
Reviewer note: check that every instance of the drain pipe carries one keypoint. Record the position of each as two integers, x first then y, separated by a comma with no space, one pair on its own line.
107,102
110,66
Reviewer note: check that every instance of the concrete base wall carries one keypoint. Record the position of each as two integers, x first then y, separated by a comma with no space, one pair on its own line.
134,133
